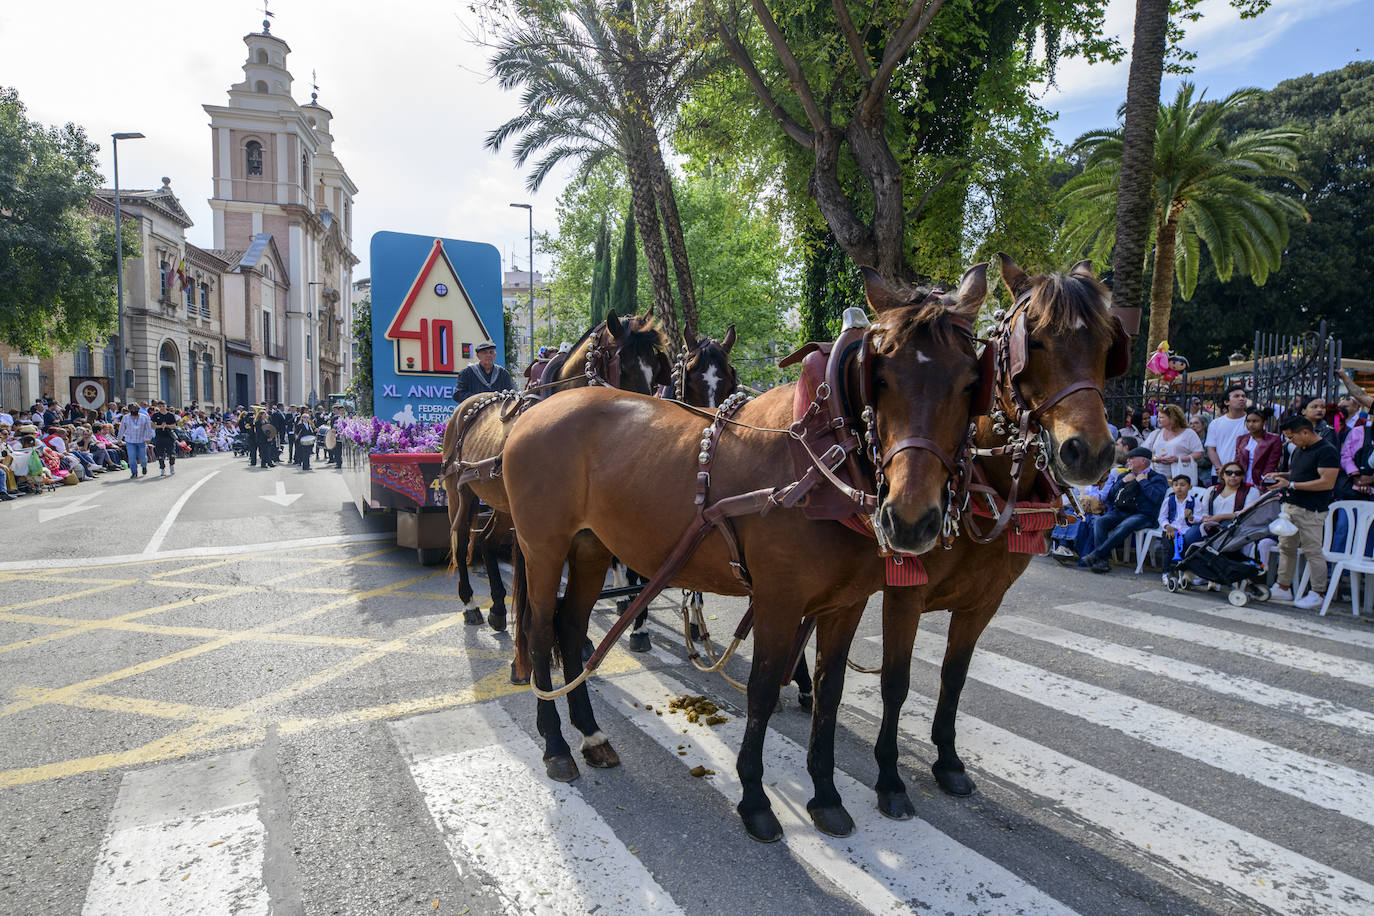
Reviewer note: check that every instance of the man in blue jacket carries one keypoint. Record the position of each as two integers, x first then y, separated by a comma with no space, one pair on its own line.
1132,503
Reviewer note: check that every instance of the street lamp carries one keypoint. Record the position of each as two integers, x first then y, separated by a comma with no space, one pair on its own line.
122,384
311,331
530,208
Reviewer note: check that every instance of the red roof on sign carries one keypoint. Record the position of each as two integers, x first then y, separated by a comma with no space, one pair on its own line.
421,279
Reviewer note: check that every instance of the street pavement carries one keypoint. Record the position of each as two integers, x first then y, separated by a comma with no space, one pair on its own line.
225,692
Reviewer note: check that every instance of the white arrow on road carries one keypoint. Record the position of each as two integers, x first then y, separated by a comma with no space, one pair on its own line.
281,497
80,504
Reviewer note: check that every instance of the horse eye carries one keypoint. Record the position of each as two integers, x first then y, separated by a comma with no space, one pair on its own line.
1034,344
880,382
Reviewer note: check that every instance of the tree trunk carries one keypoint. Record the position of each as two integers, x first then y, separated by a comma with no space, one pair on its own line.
677,244
651,235
1134,204
1162,285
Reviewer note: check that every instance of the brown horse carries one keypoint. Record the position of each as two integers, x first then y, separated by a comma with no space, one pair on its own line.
1070,338
629,354
573,499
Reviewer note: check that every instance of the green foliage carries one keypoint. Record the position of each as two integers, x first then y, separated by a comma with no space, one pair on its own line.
57,259
625,289
1207,192
1326,273
360,388
601,275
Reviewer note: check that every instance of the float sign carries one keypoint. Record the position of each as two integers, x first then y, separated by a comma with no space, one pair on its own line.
433,301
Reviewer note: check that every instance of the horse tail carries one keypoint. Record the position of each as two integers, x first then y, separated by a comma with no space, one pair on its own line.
522,614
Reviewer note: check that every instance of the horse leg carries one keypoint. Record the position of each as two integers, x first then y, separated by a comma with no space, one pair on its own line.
802,678
586,574
462,540
537,602
964,629
501,523
639,640
901,614
772,646
835,632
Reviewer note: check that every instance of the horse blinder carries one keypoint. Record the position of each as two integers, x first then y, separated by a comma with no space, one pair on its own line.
1119,356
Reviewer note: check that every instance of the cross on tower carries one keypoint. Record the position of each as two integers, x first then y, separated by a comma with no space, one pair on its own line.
314,84
267,16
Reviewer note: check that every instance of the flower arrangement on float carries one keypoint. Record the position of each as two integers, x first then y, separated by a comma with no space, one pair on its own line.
375,436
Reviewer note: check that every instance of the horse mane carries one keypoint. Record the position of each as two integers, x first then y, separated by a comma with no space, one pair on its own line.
926,311
1062,303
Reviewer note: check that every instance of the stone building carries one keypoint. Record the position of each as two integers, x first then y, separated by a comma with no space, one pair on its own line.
275,176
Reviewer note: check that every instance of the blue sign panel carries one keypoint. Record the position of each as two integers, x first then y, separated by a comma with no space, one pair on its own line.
433,301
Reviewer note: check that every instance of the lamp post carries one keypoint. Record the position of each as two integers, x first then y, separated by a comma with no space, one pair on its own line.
311,331
530,208
121,383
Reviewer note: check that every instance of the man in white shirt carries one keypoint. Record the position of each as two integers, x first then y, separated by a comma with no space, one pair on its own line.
136,430
1223,432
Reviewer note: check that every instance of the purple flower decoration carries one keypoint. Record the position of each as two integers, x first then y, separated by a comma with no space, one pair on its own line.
370,434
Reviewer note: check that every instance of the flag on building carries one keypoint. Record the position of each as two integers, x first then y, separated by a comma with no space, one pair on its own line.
181,275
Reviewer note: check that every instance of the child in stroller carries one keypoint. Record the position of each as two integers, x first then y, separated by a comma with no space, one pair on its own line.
1221,556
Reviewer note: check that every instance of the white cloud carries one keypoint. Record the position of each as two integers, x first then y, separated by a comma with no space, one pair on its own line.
411,105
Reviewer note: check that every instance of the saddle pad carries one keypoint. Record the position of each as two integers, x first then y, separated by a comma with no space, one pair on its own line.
1026,531
824,502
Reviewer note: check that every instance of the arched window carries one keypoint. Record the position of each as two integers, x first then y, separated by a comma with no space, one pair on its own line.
267,270
262,56
169,389
260,87
253,154
81,360
209,375
163,270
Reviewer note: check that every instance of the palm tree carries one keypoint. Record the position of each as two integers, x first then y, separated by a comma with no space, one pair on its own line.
1207,190
599,82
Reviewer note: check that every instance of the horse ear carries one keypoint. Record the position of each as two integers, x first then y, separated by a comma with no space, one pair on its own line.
613,323
972,292
689,338
880,294
729,340
1083,269
1013,275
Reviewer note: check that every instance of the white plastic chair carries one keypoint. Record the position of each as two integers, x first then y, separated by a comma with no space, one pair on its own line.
1146,538
1349,556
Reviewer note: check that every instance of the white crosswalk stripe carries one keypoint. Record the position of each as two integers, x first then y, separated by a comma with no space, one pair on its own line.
183,838
190,837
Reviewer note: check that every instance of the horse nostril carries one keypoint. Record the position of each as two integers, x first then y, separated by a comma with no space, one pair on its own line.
929,525
1072,451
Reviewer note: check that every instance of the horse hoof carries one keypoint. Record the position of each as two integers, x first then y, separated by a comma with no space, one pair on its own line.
762,826
832,820
639,642
587,649
515,678
896,805
955,782
602,756
497,621
561,769
472,616
804,701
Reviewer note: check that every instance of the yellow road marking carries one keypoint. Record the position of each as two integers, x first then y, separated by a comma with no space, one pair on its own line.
88,625
138,706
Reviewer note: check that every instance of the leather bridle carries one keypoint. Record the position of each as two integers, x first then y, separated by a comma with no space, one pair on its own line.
684,357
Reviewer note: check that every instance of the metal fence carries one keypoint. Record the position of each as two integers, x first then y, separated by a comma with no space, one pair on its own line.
11,388
1286,367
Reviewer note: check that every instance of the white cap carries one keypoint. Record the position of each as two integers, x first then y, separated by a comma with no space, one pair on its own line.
855,317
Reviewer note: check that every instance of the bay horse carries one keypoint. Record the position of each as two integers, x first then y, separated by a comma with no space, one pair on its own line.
916,375
1055,348
630,354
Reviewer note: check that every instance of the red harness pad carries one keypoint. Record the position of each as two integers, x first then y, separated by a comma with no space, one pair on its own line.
1026,531
900,568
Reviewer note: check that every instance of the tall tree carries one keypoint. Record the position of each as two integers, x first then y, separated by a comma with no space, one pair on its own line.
57,259
601,273
1205,190
623,292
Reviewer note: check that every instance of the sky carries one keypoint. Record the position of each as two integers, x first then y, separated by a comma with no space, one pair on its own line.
412,103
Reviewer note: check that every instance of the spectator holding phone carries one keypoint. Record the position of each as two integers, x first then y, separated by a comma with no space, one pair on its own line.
1308,485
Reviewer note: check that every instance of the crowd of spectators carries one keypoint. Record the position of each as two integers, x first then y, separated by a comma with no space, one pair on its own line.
49,445
1185,473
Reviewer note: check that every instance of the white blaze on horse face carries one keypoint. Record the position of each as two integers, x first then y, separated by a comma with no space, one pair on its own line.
648,376
711,378
921,357
1079,324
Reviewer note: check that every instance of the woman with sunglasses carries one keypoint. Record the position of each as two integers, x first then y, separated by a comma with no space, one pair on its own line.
1227,499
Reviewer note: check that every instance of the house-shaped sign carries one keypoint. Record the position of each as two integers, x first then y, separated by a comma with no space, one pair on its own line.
433,301
437,324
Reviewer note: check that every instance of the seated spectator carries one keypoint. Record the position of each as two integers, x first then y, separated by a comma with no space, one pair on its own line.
1258,451
1177,513
1132,504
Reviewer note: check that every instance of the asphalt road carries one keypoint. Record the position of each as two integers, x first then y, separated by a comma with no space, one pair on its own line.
215,702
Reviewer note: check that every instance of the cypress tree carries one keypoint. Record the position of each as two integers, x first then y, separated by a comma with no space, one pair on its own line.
601,274
624,290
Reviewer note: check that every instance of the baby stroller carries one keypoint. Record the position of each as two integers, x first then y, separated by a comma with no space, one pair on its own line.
242,445
1220,556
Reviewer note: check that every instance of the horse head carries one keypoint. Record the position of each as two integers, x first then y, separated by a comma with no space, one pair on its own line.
704,376
640,350
1056,347
921,375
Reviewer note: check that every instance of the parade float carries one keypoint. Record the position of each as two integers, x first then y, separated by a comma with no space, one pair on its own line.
433,301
